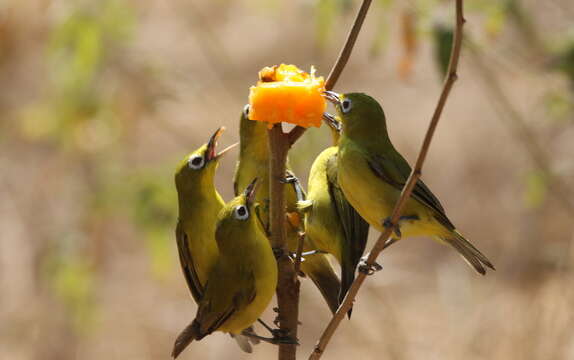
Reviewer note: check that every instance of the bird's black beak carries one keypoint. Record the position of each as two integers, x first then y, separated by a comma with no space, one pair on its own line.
250,191
210,152
333,97
332,122
212,144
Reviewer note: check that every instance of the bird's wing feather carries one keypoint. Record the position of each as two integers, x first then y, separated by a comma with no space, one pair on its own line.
356,229
187,265
396,171
215,309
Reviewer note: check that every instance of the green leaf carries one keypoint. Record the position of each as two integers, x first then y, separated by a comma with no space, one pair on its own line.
536,189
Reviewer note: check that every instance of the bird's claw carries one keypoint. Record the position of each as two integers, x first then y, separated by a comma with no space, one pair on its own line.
278,337
278,333
281,336
387,223
283,339
289,179
367,269
313,252
279,253
293,256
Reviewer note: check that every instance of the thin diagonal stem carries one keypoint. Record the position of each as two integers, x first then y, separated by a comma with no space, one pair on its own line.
406,192
340,63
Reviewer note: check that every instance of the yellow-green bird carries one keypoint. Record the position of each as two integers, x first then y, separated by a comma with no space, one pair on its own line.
331,223
254,162
243,278
372,173
199,204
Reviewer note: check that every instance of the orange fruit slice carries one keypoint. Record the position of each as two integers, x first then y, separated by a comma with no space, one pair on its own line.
285,93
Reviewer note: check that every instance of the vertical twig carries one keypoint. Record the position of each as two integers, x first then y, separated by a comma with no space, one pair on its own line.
340,63
287,282
279,144
406,192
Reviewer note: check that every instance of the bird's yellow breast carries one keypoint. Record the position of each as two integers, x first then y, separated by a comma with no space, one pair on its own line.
200,231
262,264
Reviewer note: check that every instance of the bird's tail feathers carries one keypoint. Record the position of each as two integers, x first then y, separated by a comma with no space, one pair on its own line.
318,268
190,333
469,252
347,278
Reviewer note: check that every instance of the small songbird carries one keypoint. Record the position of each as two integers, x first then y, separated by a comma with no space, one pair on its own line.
254,162
243,278
331,223
372,173
199,204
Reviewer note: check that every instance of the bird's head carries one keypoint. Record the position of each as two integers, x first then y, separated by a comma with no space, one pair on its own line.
200,165
237,214
360,114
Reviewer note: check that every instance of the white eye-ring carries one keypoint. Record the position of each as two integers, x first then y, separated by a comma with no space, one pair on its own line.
246,110
241,212
346,106
196,162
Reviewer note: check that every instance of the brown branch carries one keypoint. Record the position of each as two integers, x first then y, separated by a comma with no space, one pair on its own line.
347,49
287,282
406,192
340,63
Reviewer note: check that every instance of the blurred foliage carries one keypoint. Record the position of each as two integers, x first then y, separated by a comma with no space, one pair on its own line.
409,39
536,189
564,61
327,13
494,13
559,105
153,200
442,46
72,281
381,38
76,111
76,114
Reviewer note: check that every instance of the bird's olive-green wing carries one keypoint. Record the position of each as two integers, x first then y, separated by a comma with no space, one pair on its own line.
187,265
395,171
355,228
223,299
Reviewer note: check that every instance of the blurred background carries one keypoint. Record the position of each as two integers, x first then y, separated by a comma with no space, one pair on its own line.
101,99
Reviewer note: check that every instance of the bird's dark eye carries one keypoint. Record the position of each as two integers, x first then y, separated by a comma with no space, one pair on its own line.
346,106
241,212
196,162
246,110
